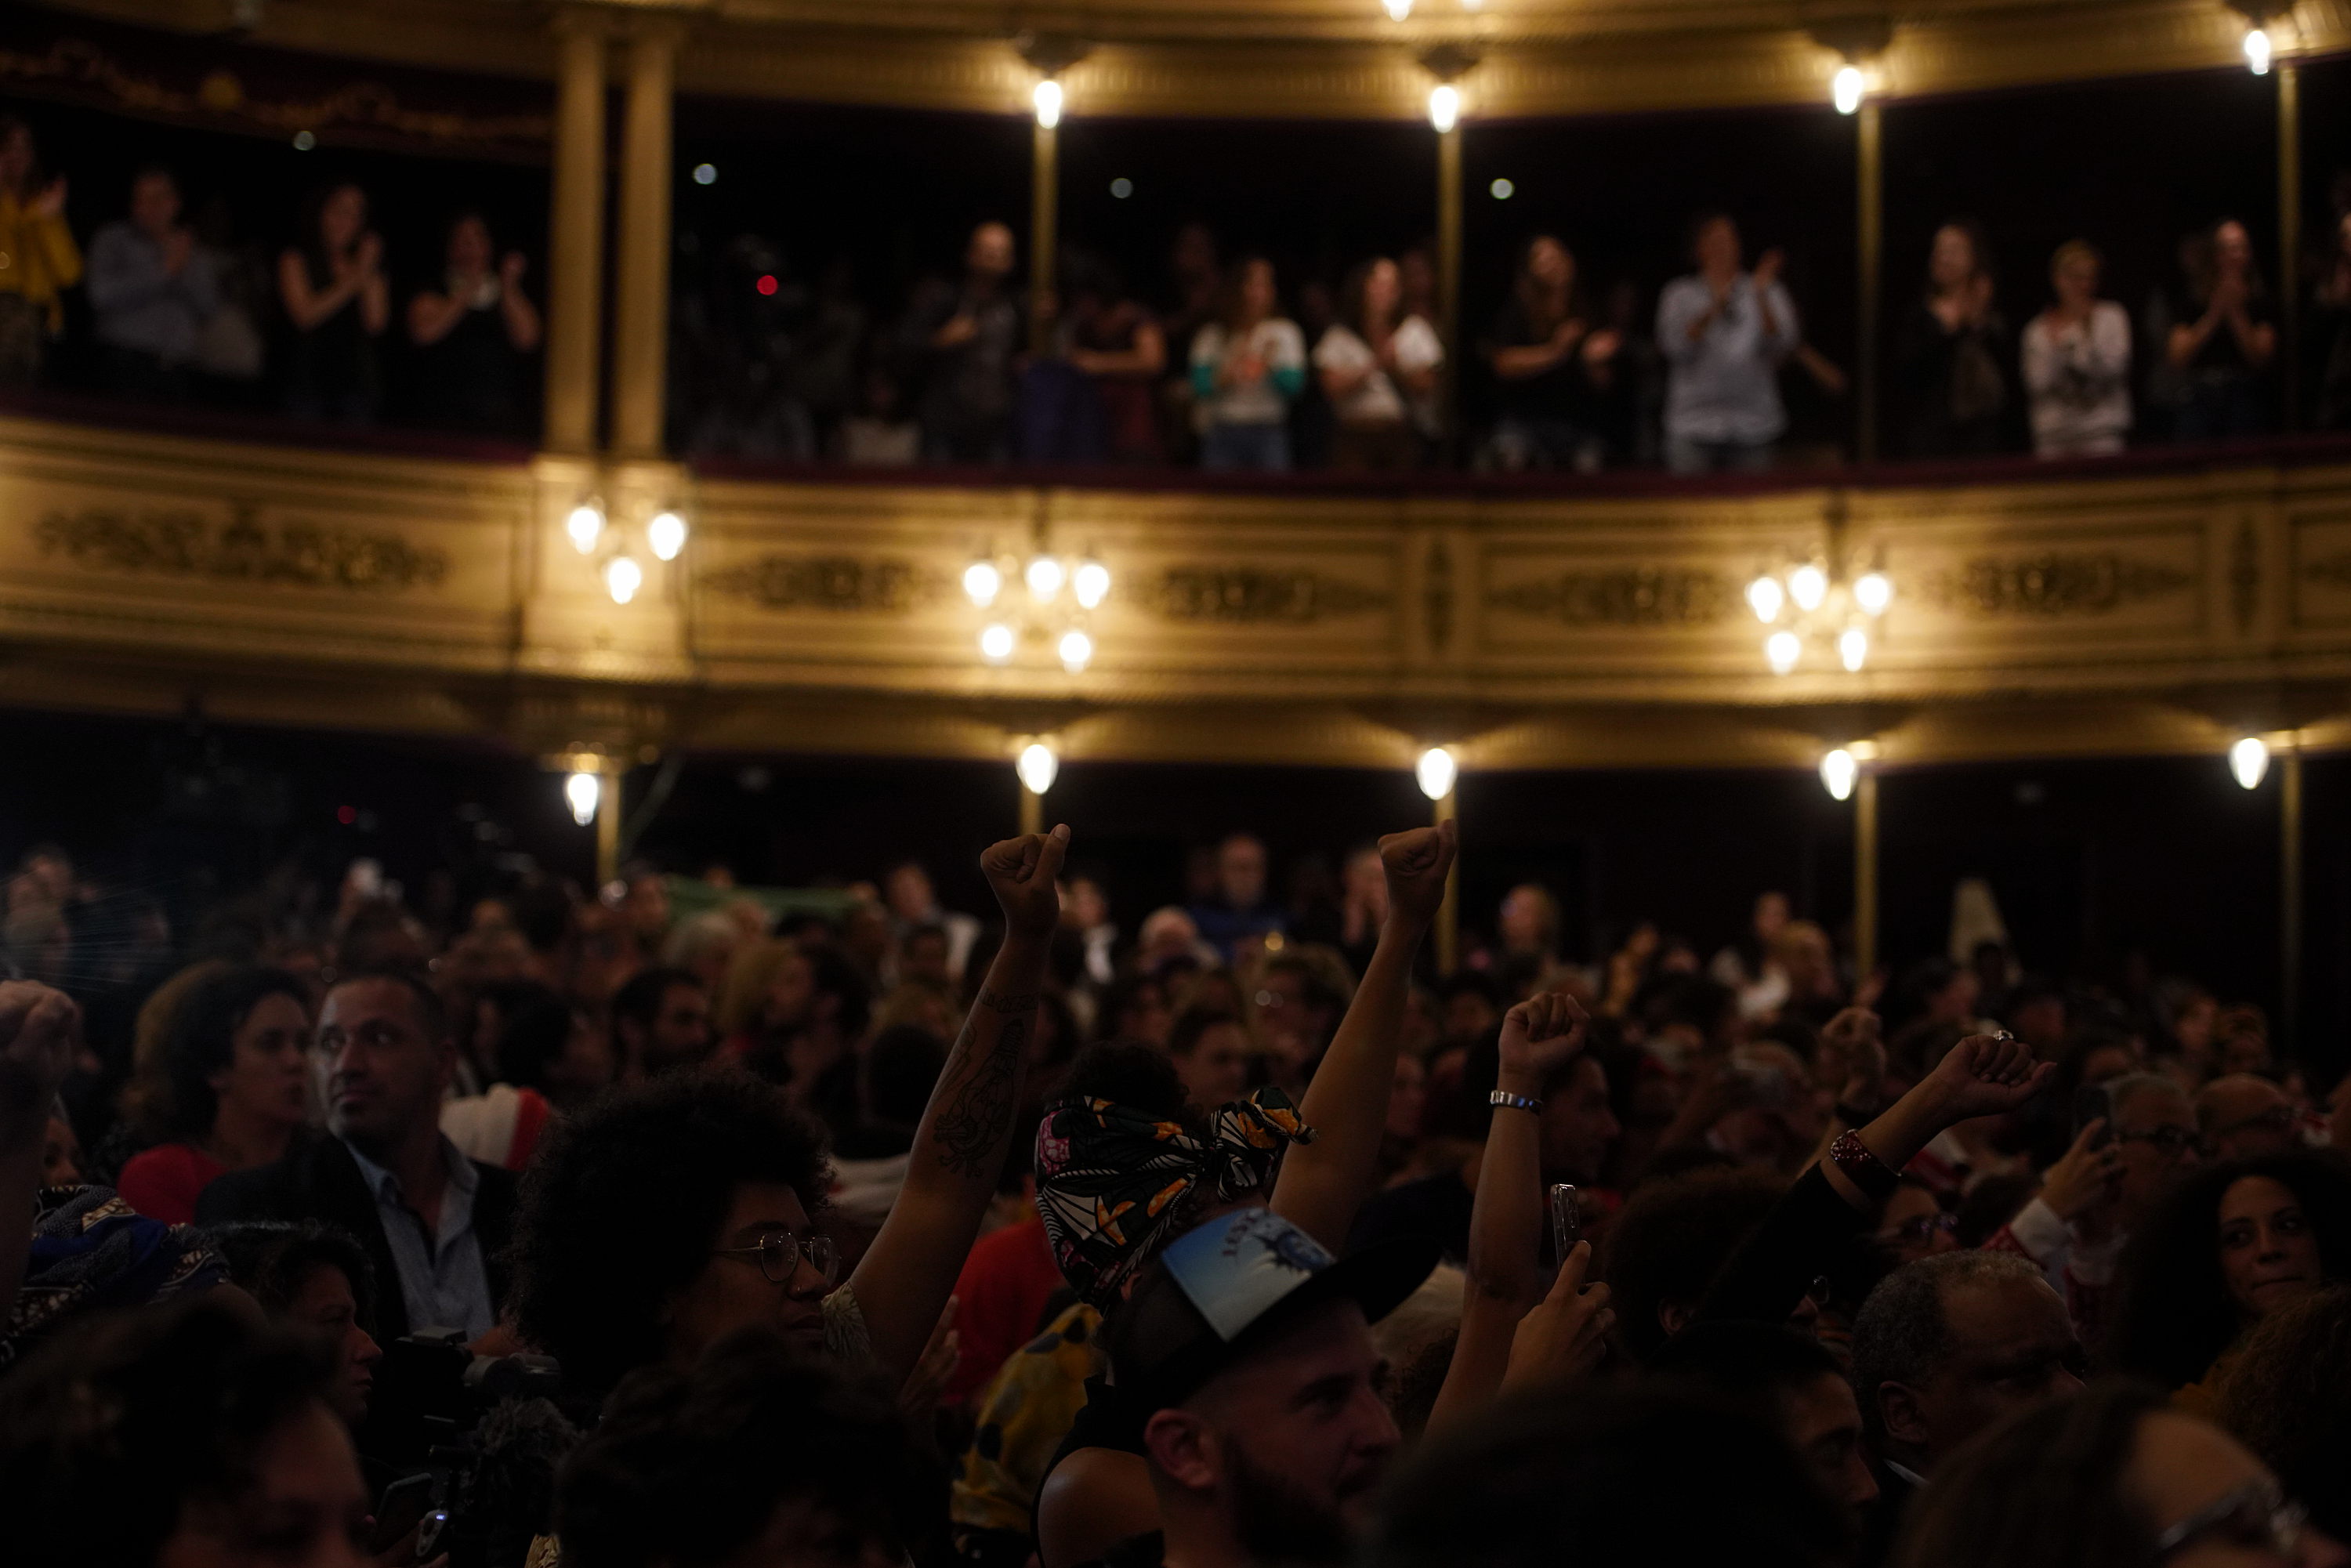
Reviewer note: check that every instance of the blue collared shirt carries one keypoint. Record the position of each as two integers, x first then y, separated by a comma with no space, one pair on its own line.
442,1282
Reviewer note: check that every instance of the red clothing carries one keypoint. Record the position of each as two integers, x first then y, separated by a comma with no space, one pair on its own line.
1002,1293
164,1182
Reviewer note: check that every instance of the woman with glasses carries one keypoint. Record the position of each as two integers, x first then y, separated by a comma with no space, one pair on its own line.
2231,1245
2110,1475
669,1216
1915,1225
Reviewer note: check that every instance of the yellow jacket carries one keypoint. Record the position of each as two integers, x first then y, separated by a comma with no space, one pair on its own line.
38,258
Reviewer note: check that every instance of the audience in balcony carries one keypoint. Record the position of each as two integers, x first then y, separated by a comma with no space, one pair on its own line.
152,291
1723,332
1954,352
964,338
42,259
1247,367
473,336
2077,361
1095,398
2221,338
1551,367
2328,334
332,286
1378,367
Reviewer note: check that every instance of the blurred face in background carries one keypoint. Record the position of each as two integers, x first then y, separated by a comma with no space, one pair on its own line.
1241,872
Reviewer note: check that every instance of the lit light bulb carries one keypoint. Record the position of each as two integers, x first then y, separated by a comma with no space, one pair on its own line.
1845,89
982,582
996,642
1852,647
622,578
1076,648
1397,10
1502,190
1045,576
1048,100
1872,591
1437,771
2248,759
1808,585
1038,767
1782,648
1838,771
2257,57
585,524
666,534
705,173
1091,583
583,793
1445,106
1767,599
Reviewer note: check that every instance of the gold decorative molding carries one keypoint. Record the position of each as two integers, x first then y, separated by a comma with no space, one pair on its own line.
1255,596
1624,596
837,584
2054,583
2245,575
2335,570
189,544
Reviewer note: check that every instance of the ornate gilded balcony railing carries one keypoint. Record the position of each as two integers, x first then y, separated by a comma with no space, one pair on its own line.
2115,612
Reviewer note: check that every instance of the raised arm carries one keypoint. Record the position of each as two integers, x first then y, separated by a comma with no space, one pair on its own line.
1323,1183
905,1276
1539,1037
39,1032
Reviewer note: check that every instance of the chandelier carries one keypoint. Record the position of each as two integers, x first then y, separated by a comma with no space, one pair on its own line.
1817,613
1047,603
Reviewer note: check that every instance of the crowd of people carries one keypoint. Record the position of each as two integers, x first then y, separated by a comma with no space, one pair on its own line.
1223,362
566,1228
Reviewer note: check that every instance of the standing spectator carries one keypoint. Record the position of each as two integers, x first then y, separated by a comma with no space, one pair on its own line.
1196,278
1551,367
152,291
230,352
473,335
1723,333
240,1073
1238,908
1954,352
966,336
332,287
1247,369
1110,338
2222,338
43,259
2077,361
2330,335
1376,363
879,436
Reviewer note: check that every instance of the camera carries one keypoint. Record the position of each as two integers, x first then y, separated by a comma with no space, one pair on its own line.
484,1430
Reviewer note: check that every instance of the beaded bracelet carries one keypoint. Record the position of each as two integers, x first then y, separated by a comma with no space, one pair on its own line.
1876,1180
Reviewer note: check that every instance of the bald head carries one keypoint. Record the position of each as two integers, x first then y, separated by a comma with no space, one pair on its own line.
2242,1115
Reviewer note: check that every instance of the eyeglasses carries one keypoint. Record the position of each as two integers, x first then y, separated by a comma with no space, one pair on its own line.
779,1253
2256,1516
1918,1228
2170,1142
2276,1119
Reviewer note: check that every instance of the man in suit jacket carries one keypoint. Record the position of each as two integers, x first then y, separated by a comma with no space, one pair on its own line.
435,1223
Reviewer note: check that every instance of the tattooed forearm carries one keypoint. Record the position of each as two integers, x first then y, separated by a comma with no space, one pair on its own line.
1024,1003
976,1114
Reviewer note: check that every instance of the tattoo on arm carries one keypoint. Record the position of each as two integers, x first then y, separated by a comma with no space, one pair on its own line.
977,1113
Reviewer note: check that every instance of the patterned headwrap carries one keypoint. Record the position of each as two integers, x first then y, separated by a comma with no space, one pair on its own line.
1112,1181
91,1249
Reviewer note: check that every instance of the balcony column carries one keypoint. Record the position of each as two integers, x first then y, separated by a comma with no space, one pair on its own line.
1870,241
1044,238
575,285
641,314
1865,870
1449,280
2290,895
2289,178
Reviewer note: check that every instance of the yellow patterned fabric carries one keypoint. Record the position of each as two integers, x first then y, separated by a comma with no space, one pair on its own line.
1023,1415
38,258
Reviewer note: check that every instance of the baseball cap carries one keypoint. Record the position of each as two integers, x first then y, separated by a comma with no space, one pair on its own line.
1229,1284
